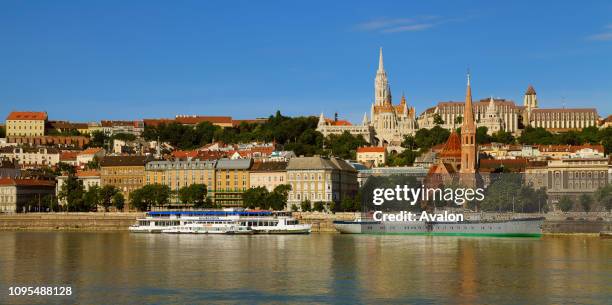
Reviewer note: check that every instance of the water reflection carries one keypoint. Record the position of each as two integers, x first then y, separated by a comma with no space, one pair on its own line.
169,269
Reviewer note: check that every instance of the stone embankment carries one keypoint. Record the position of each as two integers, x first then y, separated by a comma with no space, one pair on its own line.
555,223
68,221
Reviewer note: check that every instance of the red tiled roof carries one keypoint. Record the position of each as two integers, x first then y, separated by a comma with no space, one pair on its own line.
192,120
157,122
538,110
26,182
90,173
338,122
180,154
27,115
452,148
69,155
367,149
91,151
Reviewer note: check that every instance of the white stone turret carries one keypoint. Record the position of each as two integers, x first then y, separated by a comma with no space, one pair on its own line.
321,120
382,91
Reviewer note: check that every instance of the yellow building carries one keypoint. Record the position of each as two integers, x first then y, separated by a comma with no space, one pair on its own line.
374,155
124,172
26,124
232,179
180,173
268,175
320,179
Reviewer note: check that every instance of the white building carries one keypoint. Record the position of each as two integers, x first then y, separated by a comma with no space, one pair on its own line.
390,122
15,194
27,156
89,155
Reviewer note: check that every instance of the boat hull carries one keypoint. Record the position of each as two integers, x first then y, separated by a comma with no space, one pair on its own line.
528,227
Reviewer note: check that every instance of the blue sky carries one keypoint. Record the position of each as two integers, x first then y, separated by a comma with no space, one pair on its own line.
91,60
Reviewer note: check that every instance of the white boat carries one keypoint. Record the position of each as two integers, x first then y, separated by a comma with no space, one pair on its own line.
275,225
208,227
220,222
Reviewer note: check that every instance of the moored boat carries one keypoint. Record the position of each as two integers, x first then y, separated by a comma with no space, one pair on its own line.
518,227
231,221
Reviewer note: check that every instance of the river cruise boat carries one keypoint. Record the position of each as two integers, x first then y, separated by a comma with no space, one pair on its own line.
518,227
220,221
208,227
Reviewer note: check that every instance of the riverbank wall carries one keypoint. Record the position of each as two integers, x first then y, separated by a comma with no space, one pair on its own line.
69,221
555,223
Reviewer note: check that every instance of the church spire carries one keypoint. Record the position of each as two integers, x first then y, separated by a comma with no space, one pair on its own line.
468,135
381,65
382,90
468,111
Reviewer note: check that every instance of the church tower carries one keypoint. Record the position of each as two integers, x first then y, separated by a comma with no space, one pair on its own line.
468,135
530,101
382,91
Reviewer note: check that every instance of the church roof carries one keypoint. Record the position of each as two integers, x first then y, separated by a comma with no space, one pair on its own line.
530,90
452,148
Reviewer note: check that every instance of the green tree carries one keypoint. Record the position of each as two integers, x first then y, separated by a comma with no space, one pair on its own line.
347,204
603,195
256,197
150,195
426,138
278,197
91,198
72,192
2,132
98,139
565,203
458,120
345,145
306,206
409,142
537,135
503,137
405,158
481,135
437,119
194,194
586,201
63,168
569,138
127,137
319,206
107,194
118,201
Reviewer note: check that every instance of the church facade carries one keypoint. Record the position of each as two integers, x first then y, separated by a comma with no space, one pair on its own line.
390,122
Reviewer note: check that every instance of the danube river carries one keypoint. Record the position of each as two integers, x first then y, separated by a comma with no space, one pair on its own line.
122,268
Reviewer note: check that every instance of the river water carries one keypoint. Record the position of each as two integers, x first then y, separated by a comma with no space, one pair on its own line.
124,268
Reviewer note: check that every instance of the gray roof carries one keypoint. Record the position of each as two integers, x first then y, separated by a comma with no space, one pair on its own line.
234,164
305,163
184,164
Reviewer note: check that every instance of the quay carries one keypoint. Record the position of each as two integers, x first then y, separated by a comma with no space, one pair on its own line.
599,224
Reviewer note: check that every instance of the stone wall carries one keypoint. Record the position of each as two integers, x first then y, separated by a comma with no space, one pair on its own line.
322,222
68,221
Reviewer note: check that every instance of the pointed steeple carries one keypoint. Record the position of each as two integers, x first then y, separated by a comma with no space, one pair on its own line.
468,111
382,90
381,66
321,120
468,138
365,121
